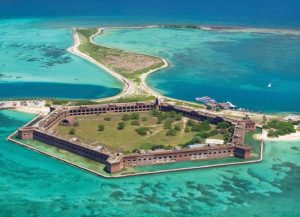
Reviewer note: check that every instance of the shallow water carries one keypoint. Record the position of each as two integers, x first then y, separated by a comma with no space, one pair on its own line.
226,66
35,185
34,62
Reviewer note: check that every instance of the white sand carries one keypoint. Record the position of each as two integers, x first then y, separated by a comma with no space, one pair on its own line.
290,137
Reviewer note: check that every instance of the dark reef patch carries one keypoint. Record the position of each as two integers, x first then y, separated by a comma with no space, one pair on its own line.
46,55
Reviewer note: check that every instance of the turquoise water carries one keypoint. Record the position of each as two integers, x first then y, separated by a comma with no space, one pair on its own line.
34,63
36,185
226,66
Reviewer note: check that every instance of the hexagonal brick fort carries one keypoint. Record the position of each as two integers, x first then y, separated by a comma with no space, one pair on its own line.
40,130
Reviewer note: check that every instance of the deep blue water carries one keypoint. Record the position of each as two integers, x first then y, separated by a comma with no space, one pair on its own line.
234,12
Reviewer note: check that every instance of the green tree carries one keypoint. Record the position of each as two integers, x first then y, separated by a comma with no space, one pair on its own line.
142,130
126,117
72,131
101,127
223,125
121,125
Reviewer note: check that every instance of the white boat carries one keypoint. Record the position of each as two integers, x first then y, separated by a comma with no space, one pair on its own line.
206,100
269,85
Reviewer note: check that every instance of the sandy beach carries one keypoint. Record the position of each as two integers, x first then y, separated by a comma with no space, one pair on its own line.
29,106
291,137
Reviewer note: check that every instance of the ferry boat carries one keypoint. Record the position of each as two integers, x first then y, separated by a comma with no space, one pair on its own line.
206,100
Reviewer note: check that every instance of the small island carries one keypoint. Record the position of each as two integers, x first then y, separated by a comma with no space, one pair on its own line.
130,68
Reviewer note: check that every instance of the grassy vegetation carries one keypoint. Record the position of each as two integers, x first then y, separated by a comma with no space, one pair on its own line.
127,138
130,132
63,102
279,128
130,65
254,143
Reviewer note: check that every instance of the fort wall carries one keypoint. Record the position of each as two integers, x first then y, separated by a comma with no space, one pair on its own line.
116,162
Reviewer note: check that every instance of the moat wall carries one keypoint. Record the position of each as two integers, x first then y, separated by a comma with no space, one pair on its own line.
115,163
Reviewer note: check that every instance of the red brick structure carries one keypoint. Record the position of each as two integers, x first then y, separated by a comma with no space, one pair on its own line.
116,162
25,133
250,125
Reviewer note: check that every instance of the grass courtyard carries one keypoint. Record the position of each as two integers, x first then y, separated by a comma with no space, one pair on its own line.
129,132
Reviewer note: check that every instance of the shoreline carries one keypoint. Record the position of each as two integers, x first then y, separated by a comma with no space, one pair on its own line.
129,88
246,29
74,50
293,137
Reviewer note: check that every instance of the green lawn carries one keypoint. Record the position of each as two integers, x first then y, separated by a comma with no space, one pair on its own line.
127,139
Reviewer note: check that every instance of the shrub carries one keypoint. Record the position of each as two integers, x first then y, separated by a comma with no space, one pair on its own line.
135,150
154,112
121,125
142,130
213,132
223,125
72,131
107,118
171,132
101,127
178,117
194,140
203,134
279,128
191,123
126,117
144,119
226,137
135,122
177,127
76,124
168,124
186,129
135,116
154,147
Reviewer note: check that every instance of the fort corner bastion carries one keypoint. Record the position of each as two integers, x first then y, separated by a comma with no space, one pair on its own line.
40,130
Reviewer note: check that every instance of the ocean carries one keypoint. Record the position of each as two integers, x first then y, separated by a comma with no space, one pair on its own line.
34,36
227,66
36,185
